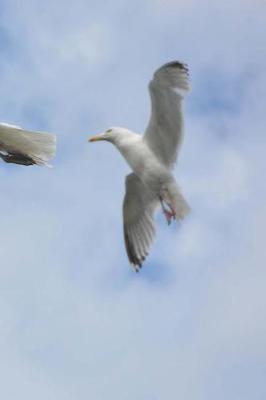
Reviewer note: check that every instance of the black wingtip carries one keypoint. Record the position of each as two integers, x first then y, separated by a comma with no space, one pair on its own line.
137,263
17,158
177,64
132,256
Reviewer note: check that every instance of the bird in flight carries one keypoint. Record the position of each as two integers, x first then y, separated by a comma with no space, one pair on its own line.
19,146
152,157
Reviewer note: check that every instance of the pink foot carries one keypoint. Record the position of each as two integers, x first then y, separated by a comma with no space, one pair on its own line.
168,215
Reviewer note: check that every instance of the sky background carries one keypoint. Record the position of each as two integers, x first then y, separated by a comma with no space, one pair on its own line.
75,321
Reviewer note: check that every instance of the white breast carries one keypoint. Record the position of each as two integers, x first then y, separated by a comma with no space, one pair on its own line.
143,161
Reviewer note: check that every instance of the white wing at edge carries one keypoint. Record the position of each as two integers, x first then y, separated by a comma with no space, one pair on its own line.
164,133
18,143
138,210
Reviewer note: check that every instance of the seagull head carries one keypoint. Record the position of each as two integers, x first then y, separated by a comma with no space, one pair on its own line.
114,135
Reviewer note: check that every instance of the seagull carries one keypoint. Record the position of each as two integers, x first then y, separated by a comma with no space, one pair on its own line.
20,146
152,157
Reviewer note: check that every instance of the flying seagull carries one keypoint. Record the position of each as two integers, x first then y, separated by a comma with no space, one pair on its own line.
19,146
152,158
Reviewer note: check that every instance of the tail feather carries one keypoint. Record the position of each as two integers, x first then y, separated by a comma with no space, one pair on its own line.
181,206
174,197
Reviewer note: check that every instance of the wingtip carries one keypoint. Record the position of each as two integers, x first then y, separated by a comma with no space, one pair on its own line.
177,64
137,263
136,266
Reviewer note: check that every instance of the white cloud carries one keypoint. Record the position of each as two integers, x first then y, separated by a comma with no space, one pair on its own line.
75,321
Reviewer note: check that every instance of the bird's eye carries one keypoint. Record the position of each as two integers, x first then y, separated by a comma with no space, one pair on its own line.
109,130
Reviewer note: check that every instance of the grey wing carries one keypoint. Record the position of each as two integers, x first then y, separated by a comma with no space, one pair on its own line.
139,230
164,133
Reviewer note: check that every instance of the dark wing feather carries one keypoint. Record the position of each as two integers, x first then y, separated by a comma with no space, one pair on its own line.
139,230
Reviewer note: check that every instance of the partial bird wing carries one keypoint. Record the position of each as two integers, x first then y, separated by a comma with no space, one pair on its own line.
138,209
164,133
20,146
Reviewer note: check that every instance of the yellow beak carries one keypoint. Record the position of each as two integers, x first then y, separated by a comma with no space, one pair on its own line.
96,138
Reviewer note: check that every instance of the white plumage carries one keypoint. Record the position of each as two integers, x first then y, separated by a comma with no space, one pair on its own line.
20,146
152,157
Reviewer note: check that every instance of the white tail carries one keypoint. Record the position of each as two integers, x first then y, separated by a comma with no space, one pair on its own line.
172,195
181,206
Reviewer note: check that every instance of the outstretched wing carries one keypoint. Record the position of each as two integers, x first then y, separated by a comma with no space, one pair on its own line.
25,147
139,230
164,133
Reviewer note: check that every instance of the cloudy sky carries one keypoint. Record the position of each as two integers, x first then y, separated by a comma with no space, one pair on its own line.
75,321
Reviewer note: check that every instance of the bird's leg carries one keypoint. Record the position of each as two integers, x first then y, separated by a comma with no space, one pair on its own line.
168,214
173,213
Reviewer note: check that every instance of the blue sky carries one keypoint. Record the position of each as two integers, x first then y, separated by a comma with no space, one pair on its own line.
75,321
